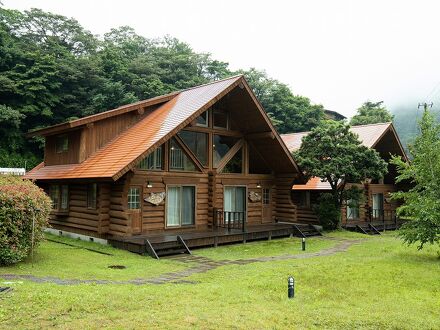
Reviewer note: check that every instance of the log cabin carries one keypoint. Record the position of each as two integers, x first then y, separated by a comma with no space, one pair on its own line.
376,208
198,167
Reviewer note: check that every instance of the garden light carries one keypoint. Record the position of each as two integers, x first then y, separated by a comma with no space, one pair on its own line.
290,287
303,244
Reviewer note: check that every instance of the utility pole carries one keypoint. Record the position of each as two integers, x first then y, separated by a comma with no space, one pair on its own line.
425,106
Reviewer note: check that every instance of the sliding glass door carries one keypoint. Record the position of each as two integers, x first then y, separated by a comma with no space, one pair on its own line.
234,200
180,208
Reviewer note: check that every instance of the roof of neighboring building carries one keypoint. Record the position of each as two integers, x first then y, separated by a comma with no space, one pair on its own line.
315,183
119,156
330,114
12,171
369,135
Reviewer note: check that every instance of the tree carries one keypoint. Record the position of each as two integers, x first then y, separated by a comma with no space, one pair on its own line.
371,113
422,201
333,153
290,113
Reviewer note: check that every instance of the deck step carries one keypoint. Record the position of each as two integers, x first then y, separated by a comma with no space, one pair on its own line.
306,230
167,248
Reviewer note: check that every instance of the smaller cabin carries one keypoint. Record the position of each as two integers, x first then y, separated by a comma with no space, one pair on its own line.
377,206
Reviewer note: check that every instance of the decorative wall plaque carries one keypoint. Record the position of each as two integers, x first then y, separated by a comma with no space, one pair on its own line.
155,198
254,196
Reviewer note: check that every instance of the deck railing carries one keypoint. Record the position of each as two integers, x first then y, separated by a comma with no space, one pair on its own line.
380,215
230,219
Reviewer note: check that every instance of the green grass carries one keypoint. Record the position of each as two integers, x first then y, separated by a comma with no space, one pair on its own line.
67,262
264,248
377,284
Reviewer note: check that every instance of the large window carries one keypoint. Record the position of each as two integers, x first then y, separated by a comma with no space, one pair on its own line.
180,206
92,190
59,194
198,144
352,209
377,205
179,161
134,198
234,199
222,144
61,143
153,161
235,165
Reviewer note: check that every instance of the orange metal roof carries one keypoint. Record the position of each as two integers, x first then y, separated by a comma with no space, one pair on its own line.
314,183
116,158
369,135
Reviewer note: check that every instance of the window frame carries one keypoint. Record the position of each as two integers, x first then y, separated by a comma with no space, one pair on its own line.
184,154
227,119
207,112
139,201
357,214
64,188
266,198
58,194
180,206
155,159
92,197
61,143
206,136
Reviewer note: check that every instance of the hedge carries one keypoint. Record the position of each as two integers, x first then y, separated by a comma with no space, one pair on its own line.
21,201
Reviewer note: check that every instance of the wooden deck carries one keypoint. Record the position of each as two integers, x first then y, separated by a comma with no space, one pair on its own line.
165,243
372,227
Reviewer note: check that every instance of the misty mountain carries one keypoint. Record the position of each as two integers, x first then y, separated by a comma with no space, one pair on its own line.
406,120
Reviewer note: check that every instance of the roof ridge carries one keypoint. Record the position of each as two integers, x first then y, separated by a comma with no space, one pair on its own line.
209,83
377,124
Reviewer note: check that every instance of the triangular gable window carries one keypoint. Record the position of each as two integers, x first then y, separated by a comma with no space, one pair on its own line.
179,160
197,142
235,165
257,165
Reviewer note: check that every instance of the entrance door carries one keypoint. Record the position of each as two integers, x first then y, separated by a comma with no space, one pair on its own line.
267,205
234,200
134,208
377,206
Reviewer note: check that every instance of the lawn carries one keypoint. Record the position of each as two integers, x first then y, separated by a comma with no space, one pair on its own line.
376,283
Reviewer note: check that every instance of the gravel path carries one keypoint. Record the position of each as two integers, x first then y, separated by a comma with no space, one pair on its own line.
203,265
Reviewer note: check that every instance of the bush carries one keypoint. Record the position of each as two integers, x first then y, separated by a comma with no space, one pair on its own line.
20,202
326,210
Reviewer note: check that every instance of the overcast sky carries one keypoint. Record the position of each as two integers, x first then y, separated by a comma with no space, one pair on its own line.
337,53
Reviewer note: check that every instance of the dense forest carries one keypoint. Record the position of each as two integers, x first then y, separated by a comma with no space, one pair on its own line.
53,70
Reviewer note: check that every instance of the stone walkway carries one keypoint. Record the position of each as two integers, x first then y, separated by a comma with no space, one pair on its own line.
202,265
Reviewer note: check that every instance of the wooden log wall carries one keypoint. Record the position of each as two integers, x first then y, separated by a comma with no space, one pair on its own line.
118,218
78,215
285,209
153,216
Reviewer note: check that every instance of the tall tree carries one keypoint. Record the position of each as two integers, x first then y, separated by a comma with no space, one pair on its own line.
291,113
336,155
422,201
371,113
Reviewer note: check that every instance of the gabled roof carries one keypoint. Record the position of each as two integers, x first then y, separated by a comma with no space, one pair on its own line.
122,153
369,135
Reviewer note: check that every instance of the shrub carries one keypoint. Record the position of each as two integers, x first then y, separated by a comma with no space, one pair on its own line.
327,211
21,201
